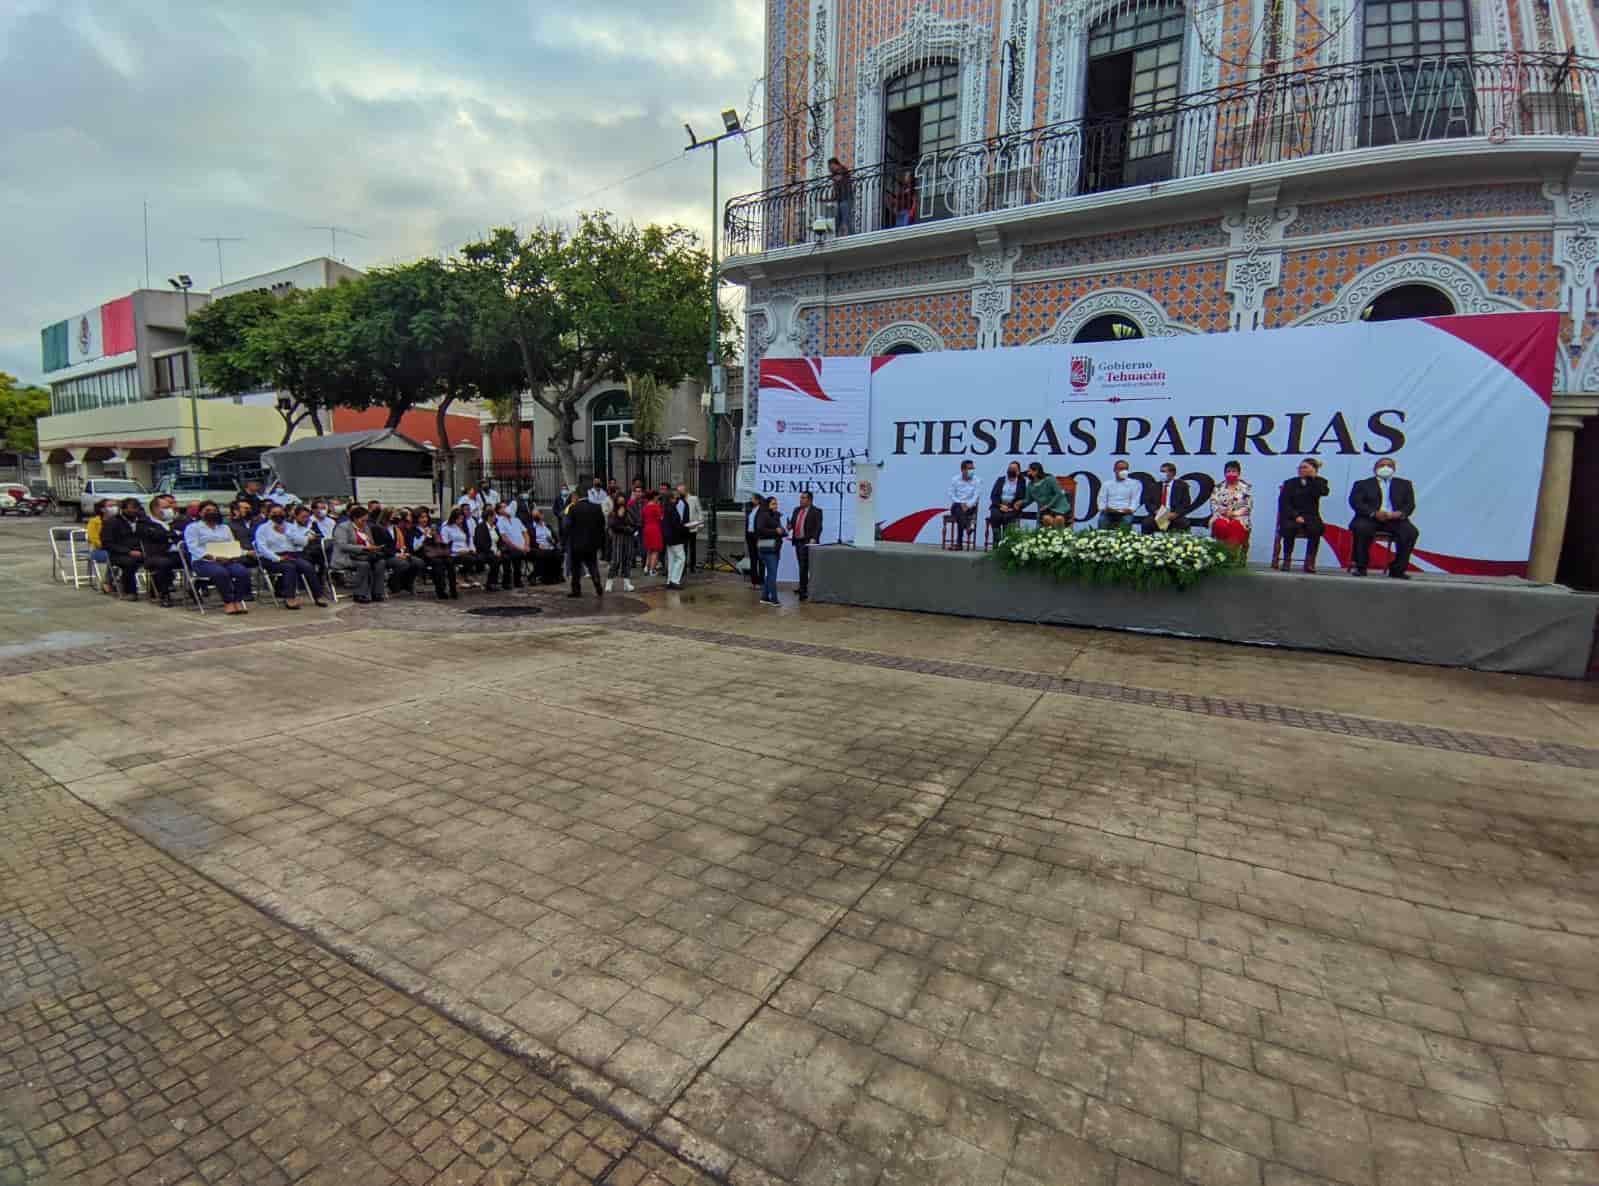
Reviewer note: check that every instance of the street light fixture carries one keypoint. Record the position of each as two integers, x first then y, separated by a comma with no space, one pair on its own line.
183,282
733,127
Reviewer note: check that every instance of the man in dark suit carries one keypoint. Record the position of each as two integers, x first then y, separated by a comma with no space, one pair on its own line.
585,534
1383,503
674,536
1172,497
805,529
1299,514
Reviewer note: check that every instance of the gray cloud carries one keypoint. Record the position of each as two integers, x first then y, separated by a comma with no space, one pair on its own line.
418,124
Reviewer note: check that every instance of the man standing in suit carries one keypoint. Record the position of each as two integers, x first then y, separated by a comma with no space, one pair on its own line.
674,535
1299,514
688,506
1172,497
586,535
1383,503
805,529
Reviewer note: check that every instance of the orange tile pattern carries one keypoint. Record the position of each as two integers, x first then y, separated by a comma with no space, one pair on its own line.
849,327
1191,294
1514,265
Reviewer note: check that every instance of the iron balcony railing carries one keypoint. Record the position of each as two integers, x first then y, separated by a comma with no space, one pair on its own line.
1276,118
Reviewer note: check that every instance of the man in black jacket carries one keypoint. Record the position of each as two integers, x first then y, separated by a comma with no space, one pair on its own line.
1171,496
1383,503
674,536
586,535
121,539
805,529
1299,513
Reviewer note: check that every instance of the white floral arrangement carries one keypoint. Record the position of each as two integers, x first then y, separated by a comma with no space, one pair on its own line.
1165,560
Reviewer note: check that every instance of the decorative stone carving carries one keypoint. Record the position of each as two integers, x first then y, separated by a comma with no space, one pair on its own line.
1139,307
904,333
992,264
1456,280
786,338
1255,264
822,125
926,37
1016,105
1576,244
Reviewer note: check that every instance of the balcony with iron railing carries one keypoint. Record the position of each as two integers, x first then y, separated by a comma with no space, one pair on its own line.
1274,119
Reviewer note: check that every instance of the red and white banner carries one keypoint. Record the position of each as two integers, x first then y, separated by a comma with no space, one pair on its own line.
814,419
1461,403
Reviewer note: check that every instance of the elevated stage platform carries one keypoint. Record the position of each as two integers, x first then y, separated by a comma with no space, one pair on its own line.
1491,624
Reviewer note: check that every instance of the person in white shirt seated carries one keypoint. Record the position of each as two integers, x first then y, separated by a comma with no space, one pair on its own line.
513,546
321,547
963,505
546,553
1120,499
463,556
277,495
280,555
227,573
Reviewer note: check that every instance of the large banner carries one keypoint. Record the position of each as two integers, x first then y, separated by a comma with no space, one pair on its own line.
1461,403
814,420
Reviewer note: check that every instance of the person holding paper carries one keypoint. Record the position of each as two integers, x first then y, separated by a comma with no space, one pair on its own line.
215,556
1168,510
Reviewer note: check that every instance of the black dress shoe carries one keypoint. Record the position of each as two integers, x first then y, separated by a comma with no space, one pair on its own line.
574,593
1357,572
363,601
1400,576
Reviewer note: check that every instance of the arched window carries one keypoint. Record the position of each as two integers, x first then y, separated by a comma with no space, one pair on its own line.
921,115
902,348
1109,327
1408,300
1416,83
610,415
1135,56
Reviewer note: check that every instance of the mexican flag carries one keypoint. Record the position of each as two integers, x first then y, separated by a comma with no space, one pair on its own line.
96,333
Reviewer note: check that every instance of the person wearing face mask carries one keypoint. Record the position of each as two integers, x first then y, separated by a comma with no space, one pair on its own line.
274,546
103,510
1232,504
1383,503
963,505
512,538
356,551
1006,497
157,539
231,578
1122,498
308,545
1299,513
121,538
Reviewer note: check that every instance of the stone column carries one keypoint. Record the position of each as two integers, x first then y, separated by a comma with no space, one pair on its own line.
1554,493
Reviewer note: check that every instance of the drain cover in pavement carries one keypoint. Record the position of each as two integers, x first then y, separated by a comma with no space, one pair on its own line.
504,611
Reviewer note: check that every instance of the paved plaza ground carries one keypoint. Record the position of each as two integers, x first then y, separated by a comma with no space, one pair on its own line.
691,890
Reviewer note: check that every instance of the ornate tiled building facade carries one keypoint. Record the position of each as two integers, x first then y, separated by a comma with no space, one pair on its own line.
1269,165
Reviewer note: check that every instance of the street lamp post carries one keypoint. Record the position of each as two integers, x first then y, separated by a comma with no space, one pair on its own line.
183,282
730,123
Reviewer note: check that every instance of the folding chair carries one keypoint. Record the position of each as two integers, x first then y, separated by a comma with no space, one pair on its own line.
190,580
266,582
327,569
65,556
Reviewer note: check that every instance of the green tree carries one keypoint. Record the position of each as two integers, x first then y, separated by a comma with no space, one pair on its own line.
393,334
20,408
648,399
607,299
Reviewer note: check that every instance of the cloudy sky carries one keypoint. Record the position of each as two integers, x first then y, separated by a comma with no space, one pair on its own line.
415,122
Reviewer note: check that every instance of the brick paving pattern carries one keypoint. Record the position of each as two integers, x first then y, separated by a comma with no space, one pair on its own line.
1403,733
154,1029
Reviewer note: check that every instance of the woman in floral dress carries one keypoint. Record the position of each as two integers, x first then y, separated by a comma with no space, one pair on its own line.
1231,505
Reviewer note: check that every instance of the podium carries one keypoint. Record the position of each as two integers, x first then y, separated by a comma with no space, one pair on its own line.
866,477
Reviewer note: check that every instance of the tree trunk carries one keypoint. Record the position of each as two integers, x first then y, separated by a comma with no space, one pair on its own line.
396,414
446,448
564,441
316,419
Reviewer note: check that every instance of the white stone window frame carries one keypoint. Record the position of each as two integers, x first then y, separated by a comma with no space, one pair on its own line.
904,333
926,37
1143,310
1456,280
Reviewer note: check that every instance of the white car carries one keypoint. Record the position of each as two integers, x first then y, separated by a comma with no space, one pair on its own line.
94,489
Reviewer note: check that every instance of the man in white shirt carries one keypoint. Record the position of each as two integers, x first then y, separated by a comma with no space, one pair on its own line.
689,508
1120,499
597,493
513,546
546,559
963,506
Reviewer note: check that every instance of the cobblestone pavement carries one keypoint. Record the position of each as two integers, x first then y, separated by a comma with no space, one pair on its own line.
154,1029
816,896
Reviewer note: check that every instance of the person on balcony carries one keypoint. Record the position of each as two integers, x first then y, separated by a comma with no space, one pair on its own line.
901,200
843,196
1231,505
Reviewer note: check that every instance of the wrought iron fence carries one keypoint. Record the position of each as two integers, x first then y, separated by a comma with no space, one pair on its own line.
538,478
1281,117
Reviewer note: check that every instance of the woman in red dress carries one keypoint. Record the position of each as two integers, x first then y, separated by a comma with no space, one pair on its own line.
654,544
